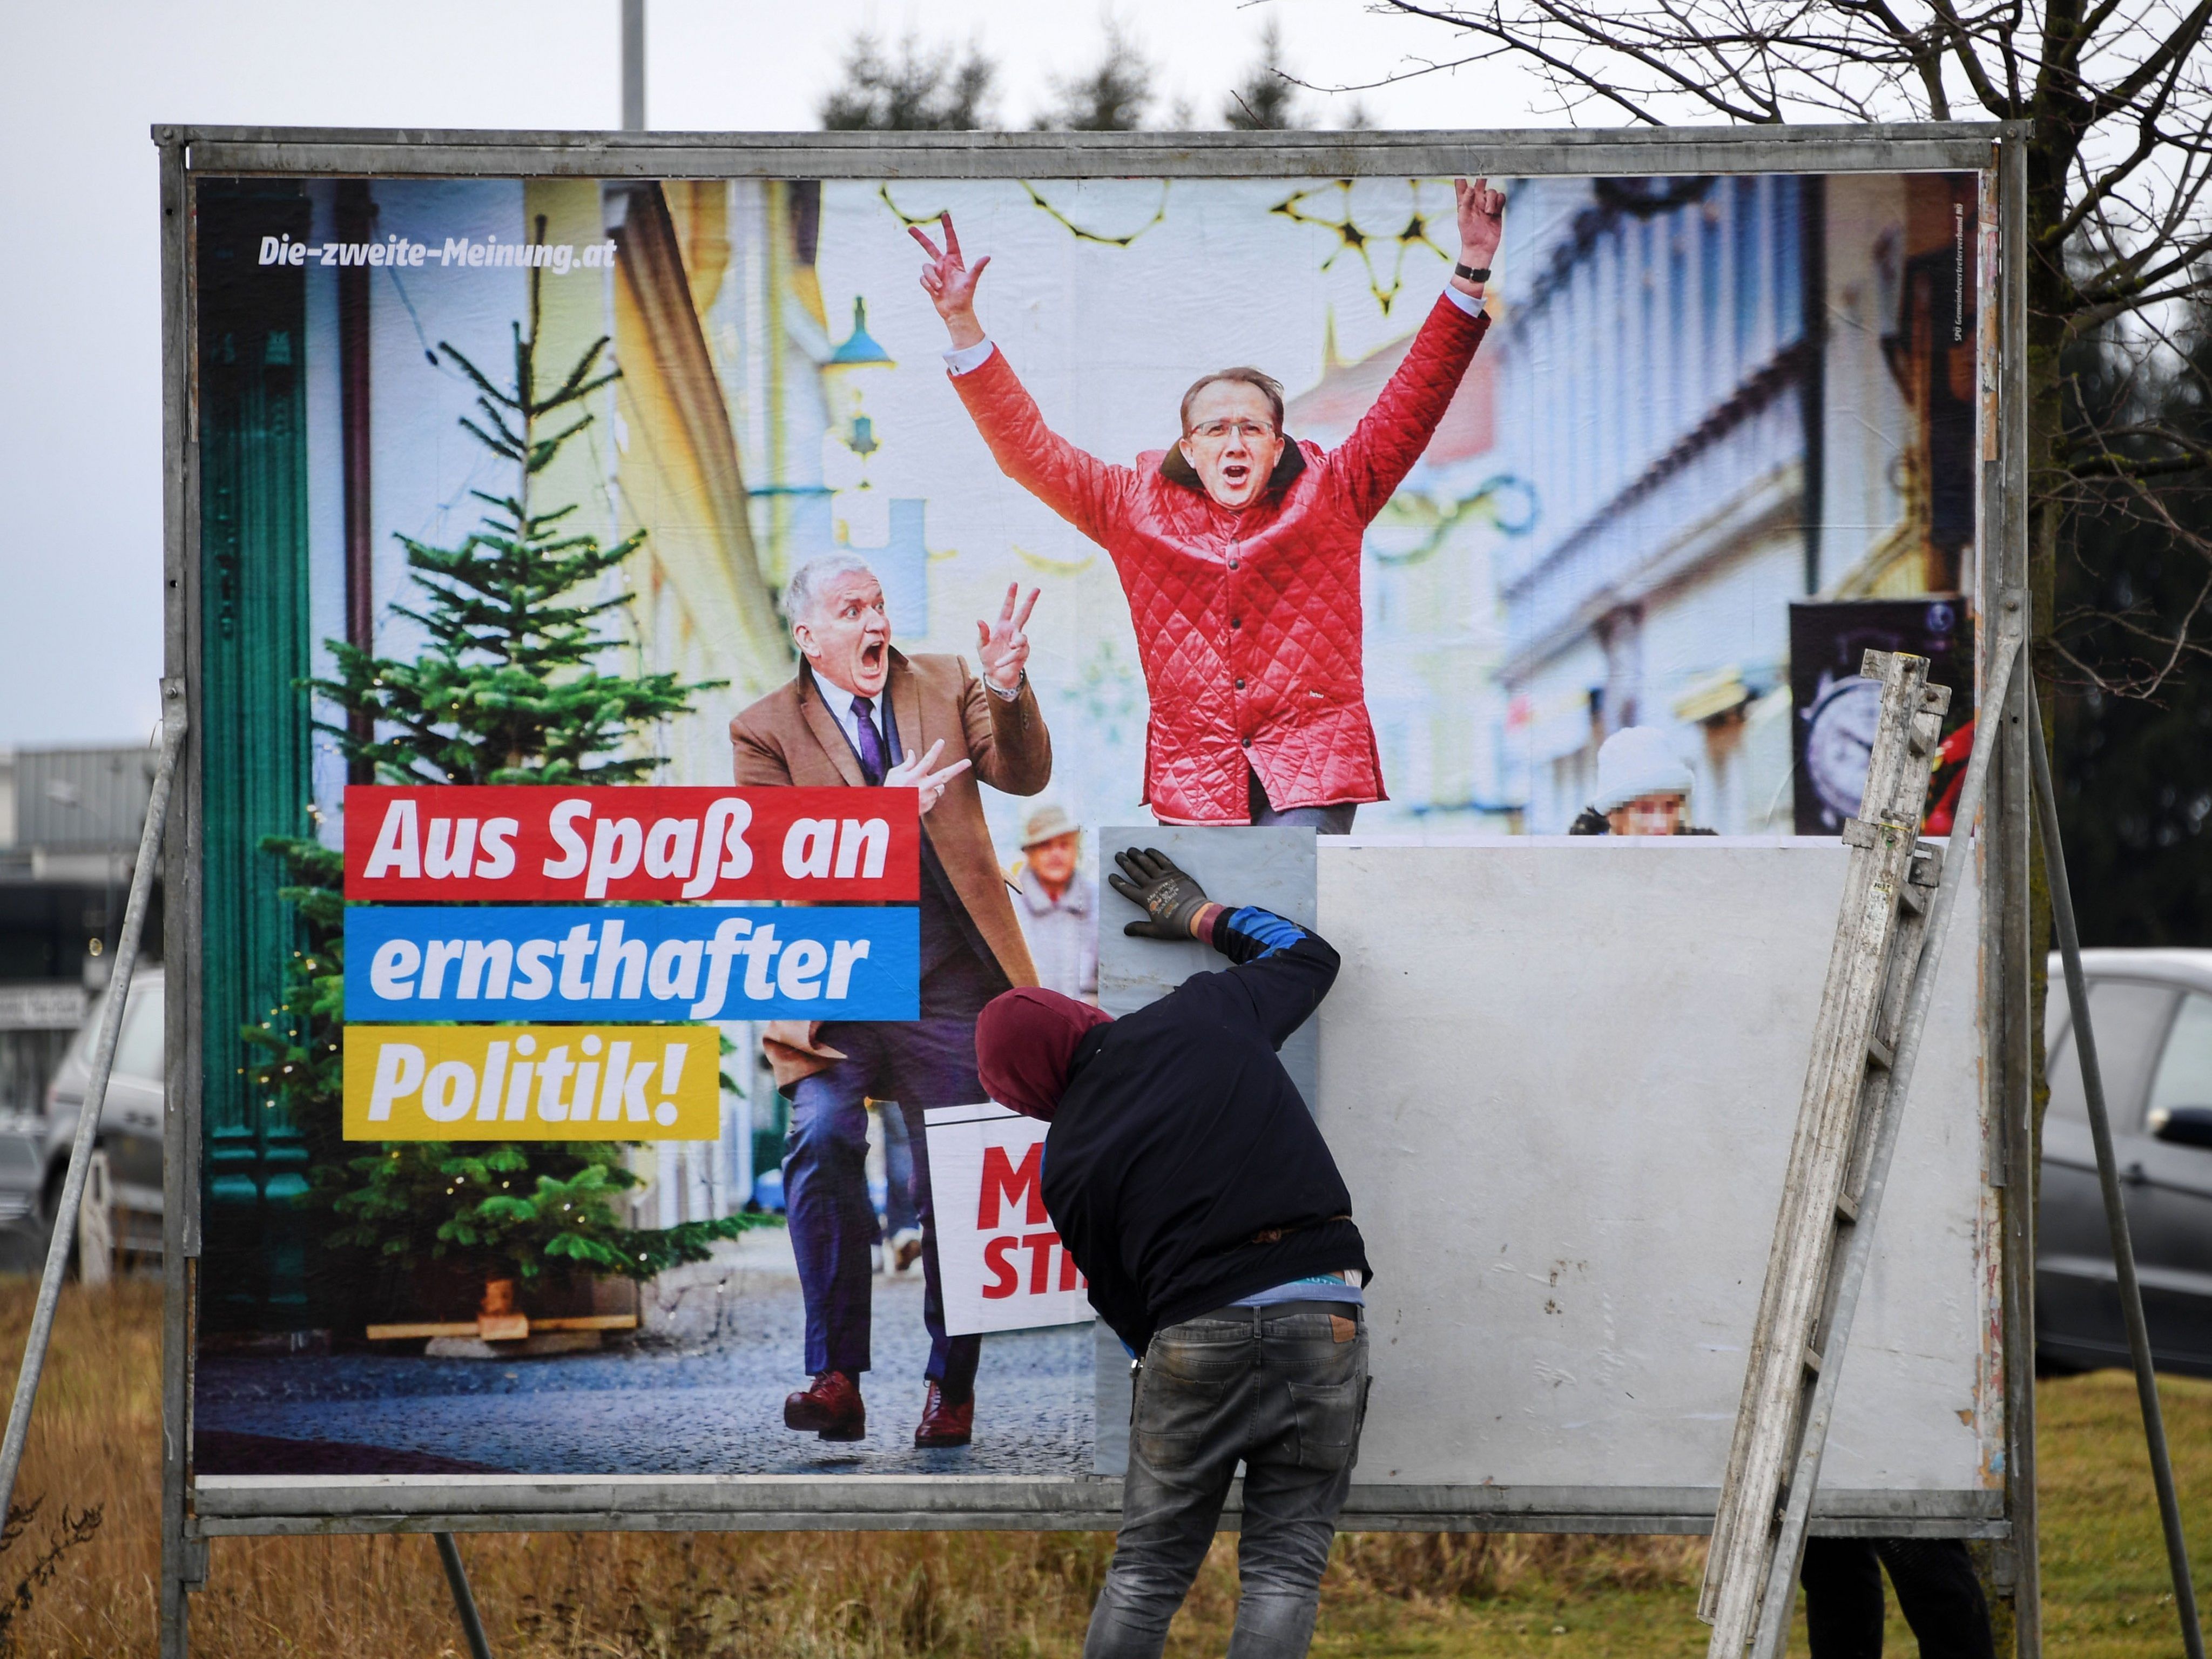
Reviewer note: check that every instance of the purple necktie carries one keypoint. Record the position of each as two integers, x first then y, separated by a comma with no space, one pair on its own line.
871,741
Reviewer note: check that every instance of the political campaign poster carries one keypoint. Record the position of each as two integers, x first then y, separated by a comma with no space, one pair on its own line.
1006,1268
667,646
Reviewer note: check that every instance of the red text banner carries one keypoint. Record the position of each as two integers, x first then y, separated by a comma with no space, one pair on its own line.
525,843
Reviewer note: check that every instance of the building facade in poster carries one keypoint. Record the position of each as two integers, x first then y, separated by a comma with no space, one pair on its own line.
1728,395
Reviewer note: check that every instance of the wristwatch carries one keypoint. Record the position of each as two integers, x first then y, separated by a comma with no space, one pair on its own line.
1008,696
1472,274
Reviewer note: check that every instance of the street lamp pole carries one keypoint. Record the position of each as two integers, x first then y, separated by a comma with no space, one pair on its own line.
633,65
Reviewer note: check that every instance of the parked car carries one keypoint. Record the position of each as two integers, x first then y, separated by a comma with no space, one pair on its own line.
22,1227
2152,1012
129,1122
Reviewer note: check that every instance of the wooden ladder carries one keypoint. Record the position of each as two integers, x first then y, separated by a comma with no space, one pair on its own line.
1888,887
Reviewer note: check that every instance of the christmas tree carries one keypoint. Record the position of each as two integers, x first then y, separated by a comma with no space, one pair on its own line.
508,689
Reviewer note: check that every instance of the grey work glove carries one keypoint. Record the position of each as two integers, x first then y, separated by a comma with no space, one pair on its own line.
1172,899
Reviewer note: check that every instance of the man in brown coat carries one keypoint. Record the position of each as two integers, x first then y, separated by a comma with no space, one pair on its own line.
825,728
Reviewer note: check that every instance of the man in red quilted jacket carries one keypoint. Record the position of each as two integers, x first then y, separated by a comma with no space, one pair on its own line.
1239,548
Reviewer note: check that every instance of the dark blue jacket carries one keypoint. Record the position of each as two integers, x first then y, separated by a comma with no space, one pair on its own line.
1182,1169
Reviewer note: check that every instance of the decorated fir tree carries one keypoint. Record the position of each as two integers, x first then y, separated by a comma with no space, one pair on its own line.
508,689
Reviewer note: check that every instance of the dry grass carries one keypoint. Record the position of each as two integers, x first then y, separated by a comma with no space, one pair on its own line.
95,1443
2105,1592
888,1596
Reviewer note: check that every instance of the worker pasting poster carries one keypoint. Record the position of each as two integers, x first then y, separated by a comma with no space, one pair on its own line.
667,648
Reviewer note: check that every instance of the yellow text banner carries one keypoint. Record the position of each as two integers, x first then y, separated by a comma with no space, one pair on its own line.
532,1083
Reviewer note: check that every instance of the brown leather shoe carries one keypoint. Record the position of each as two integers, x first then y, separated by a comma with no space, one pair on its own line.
906,1249
830,1406
943,1422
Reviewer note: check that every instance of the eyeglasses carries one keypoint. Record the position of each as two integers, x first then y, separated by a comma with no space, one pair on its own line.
1247,430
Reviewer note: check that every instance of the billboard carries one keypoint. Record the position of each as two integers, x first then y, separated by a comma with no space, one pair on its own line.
667,644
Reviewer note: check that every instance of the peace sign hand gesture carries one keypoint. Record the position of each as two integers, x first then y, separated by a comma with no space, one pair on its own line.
914,773
1481,221
1004,647
951,285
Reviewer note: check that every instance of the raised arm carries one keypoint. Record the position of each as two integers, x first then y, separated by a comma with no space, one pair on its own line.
1284,970
1283,967
1382,450
1082,488
1006,729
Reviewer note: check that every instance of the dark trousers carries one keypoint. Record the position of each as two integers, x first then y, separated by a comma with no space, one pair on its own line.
1284,1389
1329,820
1936,1591
927,1062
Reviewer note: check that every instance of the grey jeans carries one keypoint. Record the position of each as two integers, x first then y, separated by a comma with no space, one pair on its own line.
1329,820
1284,1389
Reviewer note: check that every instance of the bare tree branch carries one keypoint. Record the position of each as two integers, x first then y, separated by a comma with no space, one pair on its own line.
2174,49
2106,465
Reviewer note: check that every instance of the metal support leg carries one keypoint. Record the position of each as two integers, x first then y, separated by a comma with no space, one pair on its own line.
95,1100
2116,1213
465,1601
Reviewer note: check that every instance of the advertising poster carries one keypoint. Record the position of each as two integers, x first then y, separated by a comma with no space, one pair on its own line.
661,677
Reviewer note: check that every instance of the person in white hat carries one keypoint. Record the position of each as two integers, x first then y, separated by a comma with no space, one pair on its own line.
1642,787
1059,904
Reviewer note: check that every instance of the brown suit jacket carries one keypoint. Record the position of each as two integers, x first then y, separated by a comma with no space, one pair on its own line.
790,738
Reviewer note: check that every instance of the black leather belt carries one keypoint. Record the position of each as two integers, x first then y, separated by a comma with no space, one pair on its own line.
1351,1311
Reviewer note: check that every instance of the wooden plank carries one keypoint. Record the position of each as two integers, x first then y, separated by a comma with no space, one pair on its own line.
501,1327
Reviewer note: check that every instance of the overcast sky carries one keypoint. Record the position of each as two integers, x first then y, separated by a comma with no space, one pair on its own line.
81,84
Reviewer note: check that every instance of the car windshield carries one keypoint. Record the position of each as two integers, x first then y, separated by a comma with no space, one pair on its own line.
2185,1072
138,1050
2129,1017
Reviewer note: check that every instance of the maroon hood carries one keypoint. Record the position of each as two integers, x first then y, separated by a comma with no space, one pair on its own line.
1025,1043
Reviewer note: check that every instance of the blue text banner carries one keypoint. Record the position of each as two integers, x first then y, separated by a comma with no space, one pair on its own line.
631,963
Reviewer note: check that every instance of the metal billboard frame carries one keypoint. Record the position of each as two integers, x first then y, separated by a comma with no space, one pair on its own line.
305,1504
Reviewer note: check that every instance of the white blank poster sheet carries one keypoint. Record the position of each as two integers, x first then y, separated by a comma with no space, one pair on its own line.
1561,1081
